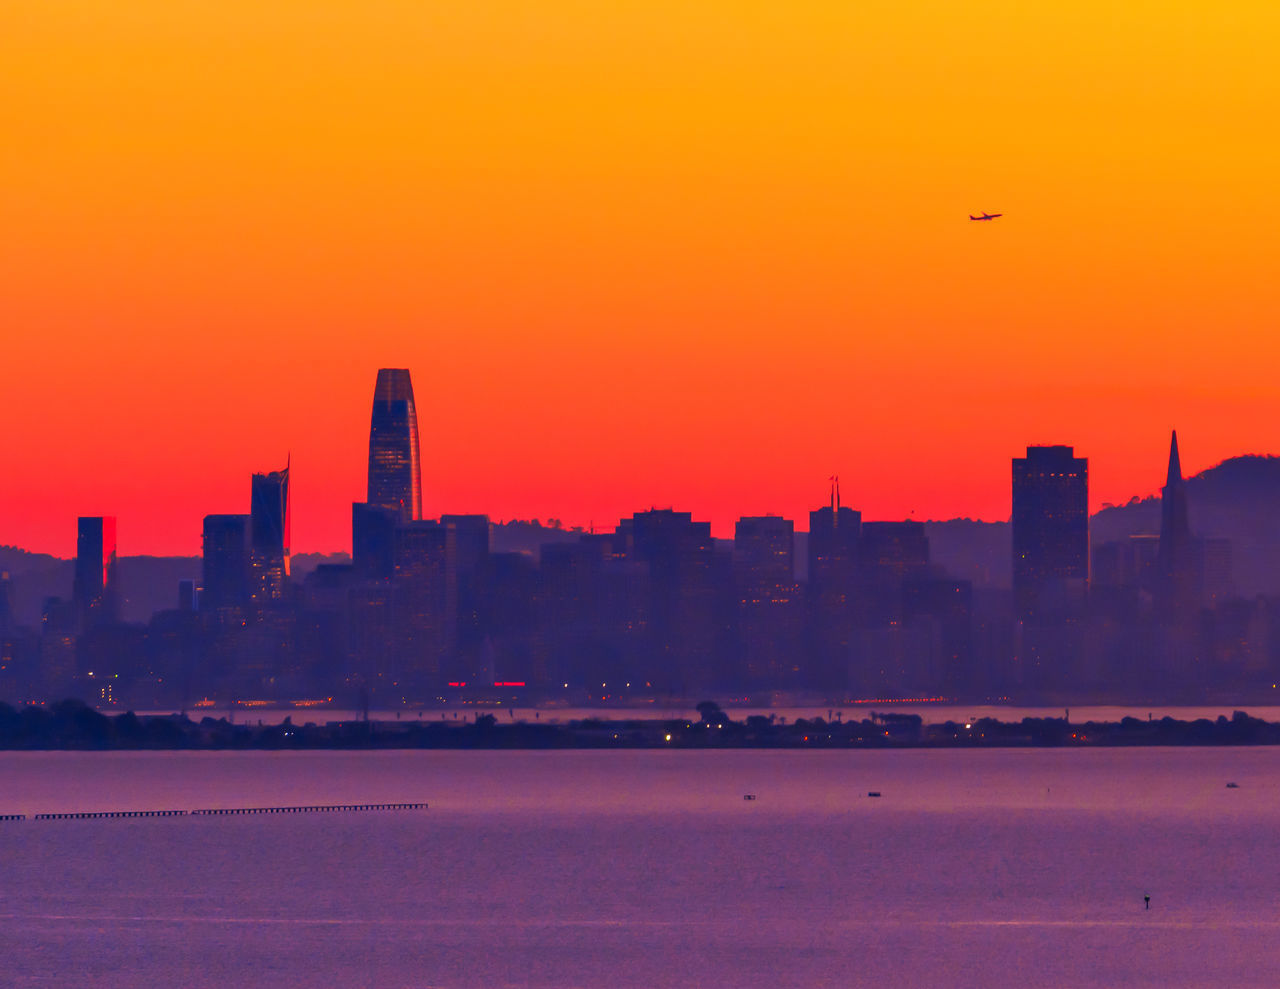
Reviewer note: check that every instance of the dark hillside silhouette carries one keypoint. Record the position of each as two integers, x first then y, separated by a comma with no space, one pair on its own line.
1239,499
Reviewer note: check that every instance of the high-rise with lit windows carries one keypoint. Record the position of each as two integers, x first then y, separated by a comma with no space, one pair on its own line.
269,536
395,468
1050,529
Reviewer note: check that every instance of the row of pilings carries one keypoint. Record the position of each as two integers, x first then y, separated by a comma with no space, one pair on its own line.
215,811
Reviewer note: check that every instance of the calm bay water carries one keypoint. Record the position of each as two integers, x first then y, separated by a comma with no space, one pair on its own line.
642,868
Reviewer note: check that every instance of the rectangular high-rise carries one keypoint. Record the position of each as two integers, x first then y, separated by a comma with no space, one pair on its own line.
94,588
225,564
269,536
1050,530
834,534
683,592
769,615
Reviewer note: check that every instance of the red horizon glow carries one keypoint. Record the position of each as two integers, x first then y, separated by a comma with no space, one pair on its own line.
692,258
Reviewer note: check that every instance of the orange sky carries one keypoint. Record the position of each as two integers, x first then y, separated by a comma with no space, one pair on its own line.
634,253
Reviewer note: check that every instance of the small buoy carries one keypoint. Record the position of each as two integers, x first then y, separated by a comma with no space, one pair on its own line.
1148,901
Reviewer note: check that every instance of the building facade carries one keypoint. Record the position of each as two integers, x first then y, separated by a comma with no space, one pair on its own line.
395,467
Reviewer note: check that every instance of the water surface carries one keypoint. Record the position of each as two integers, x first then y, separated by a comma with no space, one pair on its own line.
640,868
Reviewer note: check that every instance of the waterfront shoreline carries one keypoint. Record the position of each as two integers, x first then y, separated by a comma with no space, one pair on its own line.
72,725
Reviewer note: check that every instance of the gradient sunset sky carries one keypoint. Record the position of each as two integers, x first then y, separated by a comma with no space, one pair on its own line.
699,255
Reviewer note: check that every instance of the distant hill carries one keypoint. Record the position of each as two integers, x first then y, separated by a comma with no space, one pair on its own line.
528,537
147,583
981,552
1239,499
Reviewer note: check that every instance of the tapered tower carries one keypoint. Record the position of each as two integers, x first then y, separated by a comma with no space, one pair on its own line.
1175,524
1179,565
395,467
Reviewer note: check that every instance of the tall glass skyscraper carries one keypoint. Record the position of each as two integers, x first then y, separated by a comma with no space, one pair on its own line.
94,587
395,467
269,535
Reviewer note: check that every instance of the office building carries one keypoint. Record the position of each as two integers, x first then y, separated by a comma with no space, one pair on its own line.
834,534
395,468
225,563
269,537
1050,530
94,586
769,617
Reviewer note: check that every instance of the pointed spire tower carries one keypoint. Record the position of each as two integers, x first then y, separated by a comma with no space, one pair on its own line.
1178,578
1175,527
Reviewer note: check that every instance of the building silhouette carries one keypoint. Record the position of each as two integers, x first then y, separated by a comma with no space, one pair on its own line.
224,583
1050,529
684,578
373,536
769,608
395,467
452,610
835,532
94,584
471,540
1050,566
268,537
1179,565
424,600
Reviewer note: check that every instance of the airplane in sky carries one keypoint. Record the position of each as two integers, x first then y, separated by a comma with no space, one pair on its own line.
985,216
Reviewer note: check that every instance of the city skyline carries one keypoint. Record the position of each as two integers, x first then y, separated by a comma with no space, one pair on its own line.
722,528
430,605
393,464
425,607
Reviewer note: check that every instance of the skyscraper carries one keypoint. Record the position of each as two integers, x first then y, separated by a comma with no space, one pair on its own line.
770,616
225,572
833,543
834,533
1050,566
395,468
94,584
1050,529
269,535
683,593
